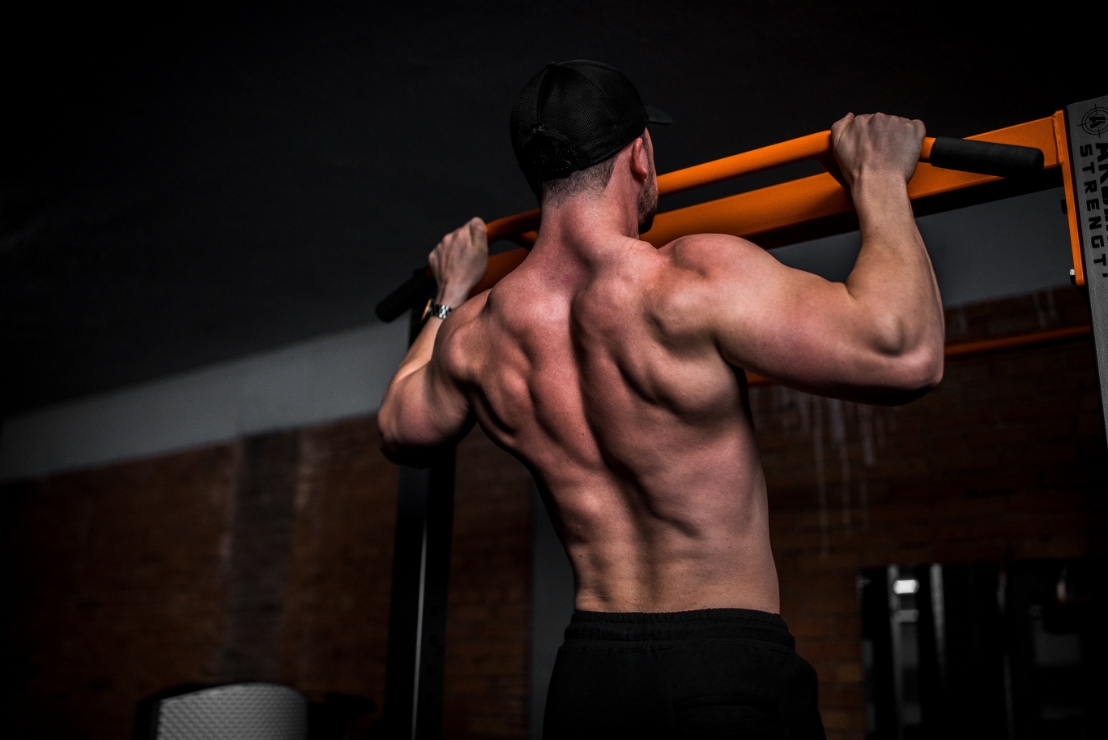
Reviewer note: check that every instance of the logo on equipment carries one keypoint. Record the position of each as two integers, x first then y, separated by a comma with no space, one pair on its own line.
1095,121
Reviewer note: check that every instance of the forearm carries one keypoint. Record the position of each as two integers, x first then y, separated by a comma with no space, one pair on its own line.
404,414
893,283
419,354
407,417
423,406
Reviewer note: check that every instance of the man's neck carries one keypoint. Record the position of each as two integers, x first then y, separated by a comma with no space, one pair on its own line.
585,228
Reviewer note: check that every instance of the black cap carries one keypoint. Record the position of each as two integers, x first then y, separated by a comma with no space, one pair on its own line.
572,115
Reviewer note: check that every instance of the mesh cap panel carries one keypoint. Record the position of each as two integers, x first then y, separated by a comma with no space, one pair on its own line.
573,115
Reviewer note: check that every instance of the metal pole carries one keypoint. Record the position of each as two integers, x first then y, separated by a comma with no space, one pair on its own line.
417,610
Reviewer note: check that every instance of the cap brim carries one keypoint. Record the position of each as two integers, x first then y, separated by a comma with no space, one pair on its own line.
653,115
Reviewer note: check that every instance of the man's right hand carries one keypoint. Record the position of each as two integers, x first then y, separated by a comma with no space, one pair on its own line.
876,144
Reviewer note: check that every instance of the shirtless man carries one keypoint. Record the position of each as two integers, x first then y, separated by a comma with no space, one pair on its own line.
615,372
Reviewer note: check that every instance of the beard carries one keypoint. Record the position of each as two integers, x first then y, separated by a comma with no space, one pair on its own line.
648,203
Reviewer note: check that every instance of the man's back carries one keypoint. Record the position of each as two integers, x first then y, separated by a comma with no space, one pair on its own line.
612,370
635,427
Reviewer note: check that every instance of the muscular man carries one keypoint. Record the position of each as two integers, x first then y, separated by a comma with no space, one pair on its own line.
615,372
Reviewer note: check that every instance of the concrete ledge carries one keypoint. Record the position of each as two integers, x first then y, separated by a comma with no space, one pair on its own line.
311,382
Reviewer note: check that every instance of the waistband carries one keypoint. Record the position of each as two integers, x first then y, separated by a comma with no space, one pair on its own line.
700,624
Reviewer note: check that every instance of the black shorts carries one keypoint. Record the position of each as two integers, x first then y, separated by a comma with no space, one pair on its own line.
698,674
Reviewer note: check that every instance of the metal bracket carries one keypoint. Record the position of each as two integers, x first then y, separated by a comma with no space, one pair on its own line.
1087,134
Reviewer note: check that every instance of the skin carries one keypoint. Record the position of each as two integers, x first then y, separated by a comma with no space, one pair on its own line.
614,370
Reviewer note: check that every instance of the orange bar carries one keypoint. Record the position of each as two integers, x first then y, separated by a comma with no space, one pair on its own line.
813,146
747,163
768,209
986,345
509,226
779,206
1019,340
737,165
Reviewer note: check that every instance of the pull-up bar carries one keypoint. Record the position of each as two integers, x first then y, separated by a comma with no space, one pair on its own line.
985,156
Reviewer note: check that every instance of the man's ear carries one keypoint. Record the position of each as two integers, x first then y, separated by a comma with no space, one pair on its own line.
640,157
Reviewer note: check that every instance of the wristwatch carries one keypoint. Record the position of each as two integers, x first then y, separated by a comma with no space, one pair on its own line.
438,310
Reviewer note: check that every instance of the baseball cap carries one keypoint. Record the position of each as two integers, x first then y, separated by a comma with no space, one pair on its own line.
574,114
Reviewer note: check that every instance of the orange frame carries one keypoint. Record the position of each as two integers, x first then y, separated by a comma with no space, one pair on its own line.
799,201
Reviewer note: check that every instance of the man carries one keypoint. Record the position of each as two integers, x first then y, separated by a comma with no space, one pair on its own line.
615,372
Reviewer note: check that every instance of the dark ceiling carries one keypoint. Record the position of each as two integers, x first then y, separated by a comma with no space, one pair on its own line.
202,183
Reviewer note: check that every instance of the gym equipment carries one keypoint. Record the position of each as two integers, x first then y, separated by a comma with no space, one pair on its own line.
1070,147
244,711
986,157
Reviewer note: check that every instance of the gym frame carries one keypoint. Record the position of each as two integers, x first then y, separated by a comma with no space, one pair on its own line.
1069,148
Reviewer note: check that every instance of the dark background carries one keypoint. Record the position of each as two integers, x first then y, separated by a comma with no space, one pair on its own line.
193,183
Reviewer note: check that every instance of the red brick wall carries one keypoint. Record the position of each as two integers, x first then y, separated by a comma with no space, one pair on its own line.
1005,460
132,578
337,626
114,589
489,619
127,579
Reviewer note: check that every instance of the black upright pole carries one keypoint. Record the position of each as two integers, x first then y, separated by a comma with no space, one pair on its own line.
417,611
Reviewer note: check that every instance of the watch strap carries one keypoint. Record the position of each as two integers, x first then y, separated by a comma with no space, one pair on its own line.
438,310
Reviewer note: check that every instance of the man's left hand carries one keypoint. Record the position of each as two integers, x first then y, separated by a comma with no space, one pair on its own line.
459,261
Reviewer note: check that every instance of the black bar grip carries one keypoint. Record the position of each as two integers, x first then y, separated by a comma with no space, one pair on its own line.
985,158
411,293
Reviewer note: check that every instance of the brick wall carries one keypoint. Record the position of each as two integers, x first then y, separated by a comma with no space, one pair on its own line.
114,586
337,627
1005,460
489,618
270,558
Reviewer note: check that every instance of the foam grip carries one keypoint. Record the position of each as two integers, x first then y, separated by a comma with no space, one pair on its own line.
985,158
411,293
